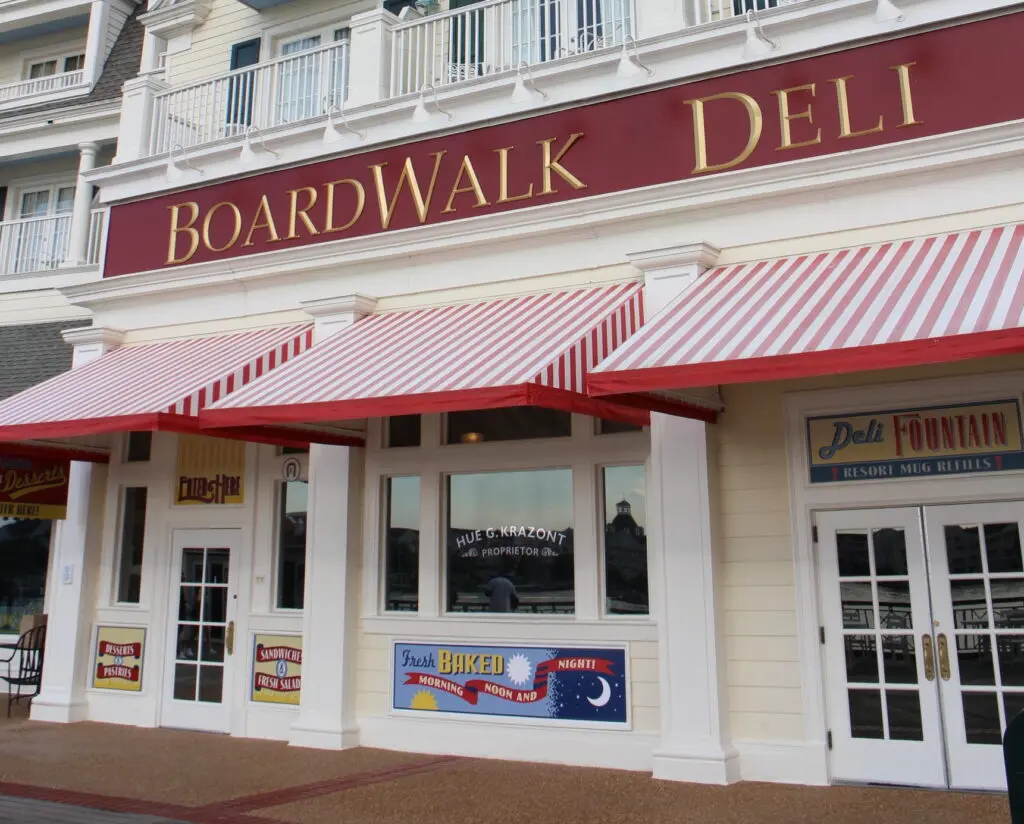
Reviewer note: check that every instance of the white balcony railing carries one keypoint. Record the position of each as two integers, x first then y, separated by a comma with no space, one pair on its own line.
501,35
41,85
285,90
41,244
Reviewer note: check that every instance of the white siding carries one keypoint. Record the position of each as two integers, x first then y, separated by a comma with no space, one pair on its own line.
115,22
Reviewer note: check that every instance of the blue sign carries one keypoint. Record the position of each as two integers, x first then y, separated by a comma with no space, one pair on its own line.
570,684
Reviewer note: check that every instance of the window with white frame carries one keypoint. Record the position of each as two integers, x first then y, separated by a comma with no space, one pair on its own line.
531,502
290,581
315,78
56,65
131,547
40,241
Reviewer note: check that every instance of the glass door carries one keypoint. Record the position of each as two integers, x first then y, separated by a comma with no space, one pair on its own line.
978,595
299,85
202,637
883,709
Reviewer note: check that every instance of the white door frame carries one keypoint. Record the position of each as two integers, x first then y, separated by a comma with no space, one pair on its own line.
806,499
209,717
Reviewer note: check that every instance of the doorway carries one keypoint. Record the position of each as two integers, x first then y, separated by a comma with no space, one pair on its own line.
923,629
201,660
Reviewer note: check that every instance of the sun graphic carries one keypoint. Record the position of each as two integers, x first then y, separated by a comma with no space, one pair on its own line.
423,700
519,669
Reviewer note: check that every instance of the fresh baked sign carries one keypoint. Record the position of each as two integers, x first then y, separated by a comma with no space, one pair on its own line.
916,443
872,95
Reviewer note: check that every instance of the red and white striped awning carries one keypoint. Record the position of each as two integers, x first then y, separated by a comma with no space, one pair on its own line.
535,350
927,300
156,386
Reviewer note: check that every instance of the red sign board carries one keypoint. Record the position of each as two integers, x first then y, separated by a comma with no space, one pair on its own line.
926,84
31,488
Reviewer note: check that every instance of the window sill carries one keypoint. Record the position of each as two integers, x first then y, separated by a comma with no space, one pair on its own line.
526,629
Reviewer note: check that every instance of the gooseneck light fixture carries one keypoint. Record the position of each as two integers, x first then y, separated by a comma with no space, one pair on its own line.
248,155
174,171
630,67
887,12
524,90
420,113
757,44
331,133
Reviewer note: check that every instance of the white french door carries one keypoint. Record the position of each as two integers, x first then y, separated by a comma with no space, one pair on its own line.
923,618
201,657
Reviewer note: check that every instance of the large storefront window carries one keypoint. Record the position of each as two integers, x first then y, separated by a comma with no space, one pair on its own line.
291,546
509,542
402,544
625,540
24,555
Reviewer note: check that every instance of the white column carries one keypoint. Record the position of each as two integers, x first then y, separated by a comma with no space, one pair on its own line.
72,589
369,61
138,95
694,740
327,717
95,51
81,215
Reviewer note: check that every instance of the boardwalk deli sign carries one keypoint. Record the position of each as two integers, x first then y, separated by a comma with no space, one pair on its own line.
876,94
913,443
35,489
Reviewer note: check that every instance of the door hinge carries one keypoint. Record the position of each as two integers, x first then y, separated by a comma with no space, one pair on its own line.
821,634
828,738
814,533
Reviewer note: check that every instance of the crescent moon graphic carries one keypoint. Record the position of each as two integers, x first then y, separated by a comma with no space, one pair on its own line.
606,694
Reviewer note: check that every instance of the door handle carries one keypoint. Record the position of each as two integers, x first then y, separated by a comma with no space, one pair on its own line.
230,643
928,651
943,657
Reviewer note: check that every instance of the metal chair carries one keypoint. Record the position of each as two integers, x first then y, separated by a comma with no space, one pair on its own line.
26,658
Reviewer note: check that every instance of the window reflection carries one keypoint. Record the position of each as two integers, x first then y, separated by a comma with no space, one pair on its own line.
133,529
24,554
402,543
625,540
509,542
291,548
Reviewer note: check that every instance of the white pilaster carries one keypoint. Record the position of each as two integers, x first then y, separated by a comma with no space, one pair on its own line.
76,548
327,717
370,57
81,215
694,740
95,53
137,99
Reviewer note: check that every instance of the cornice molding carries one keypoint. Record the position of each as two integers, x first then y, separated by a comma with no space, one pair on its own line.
176,18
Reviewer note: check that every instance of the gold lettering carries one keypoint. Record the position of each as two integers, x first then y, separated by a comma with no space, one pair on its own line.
553,164
503,196
785,116
295,213
360,203
387,207
700,138
906,98
844,111
209,218
268,223
474,186
193,233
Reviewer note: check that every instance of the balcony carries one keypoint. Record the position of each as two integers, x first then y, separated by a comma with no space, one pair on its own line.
54,83
286,90
41,244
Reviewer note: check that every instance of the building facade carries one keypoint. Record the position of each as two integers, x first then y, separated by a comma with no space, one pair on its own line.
628,384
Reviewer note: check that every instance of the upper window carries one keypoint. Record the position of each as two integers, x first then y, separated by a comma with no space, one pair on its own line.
509,542
62,64
403,430
133,530
513,424
613,427
402,544
625,540
139,446
291,547
24,556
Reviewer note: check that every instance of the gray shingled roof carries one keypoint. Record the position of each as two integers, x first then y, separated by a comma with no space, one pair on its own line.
31,354
122,64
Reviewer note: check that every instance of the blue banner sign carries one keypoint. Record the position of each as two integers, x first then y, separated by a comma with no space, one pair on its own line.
570,684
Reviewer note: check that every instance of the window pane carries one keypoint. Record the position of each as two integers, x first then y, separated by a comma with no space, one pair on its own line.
611,427
402,544
510,542
75,63
625,540
514,424
24,555
45,69
133,528
291,547
139,446
404,430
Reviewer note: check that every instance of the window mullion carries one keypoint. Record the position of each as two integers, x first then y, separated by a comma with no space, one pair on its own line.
588,546
431,558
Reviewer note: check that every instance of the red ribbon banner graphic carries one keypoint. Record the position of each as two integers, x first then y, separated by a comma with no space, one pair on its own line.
290,654
272,682
121,650
471,690
118,671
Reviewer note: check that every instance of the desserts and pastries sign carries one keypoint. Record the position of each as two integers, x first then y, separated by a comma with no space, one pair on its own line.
210,471
276,669
117,663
